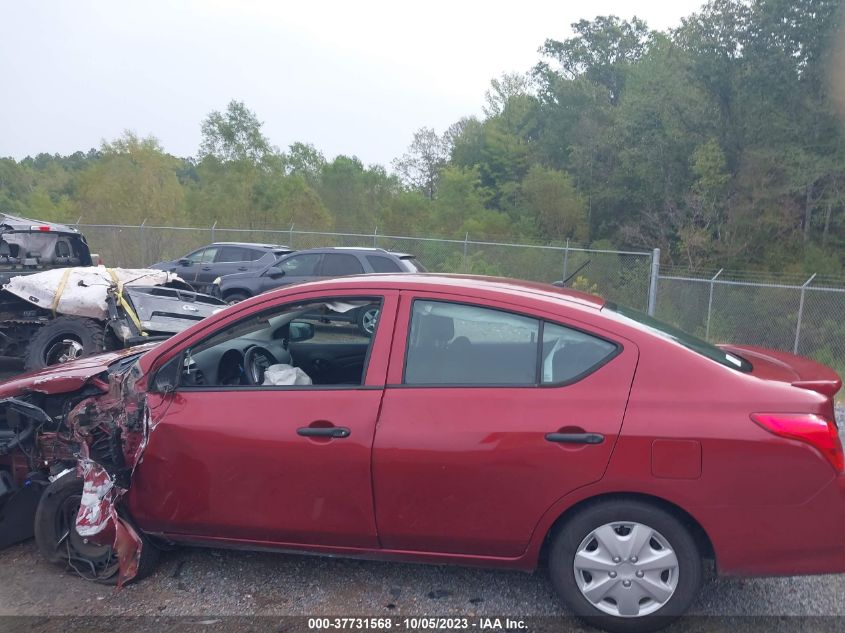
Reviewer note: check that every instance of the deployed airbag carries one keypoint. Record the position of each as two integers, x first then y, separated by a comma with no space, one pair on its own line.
280,374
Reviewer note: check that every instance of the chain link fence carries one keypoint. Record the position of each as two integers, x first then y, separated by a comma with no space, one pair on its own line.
798,315
621,276
803,316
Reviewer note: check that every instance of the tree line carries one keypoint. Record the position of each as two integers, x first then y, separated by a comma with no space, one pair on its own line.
718,141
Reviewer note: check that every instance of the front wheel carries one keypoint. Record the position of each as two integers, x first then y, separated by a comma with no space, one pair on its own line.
60,543
625,566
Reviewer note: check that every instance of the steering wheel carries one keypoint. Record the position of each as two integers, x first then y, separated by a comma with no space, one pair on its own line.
256,360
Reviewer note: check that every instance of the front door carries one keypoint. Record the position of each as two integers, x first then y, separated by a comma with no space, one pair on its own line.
274,463
468,455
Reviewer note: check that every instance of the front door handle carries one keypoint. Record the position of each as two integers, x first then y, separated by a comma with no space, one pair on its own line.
575,438
242,268
324,431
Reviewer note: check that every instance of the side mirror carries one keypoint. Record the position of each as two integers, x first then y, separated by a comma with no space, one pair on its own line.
167,377
301,331
275,273
184,262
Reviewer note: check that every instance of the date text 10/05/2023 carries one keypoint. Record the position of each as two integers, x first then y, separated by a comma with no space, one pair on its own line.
417,623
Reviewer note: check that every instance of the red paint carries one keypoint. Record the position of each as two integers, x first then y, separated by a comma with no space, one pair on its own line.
676,459
465,474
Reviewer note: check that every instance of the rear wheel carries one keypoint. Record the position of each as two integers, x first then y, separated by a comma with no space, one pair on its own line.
62,340
60,543
625,566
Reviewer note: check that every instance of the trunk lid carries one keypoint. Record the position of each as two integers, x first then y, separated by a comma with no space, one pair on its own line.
769,364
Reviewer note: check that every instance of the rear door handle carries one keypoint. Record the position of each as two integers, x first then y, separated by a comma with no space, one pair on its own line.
323,431
242,268
575,438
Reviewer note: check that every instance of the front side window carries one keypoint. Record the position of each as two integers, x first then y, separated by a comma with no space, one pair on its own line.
300,345
203,256
300,265
457,344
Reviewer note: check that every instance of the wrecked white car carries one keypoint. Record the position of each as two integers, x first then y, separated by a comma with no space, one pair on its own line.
58,315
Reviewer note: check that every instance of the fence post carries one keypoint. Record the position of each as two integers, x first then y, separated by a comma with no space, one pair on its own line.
466,243
710,304
290,236
213,231
801,313
375,237
652,286
143,240
565,259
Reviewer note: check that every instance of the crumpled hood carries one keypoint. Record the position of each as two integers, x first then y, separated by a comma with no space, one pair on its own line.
66,377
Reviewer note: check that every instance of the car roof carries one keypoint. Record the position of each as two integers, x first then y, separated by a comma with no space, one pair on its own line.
269,247
361,250
449,283
17,223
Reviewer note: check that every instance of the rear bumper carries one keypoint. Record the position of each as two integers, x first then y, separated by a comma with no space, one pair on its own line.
782,541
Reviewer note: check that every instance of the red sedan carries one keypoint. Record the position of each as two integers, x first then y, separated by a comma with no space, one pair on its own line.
486,422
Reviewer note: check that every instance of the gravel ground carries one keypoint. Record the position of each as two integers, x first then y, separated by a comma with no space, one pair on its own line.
209,583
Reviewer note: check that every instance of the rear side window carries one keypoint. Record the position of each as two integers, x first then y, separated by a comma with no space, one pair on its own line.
234,254
457,344
337,264
569,354
381,264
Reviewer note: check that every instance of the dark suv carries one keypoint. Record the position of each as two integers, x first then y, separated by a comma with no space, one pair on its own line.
317,263
202,266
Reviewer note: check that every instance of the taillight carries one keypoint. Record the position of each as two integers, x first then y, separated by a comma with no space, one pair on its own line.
815,430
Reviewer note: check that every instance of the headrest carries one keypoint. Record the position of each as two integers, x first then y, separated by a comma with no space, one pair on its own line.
434,327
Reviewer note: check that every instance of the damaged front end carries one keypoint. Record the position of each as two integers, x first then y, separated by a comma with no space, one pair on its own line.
111,433
70,440
35,449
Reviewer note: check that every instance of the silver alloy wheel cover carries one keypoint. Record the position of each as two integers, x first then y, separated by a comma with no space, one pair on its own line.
369,320
626,569
64,351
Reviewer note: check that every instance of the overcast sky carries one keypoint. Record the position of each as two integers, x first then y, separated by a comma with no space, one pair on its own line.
351,77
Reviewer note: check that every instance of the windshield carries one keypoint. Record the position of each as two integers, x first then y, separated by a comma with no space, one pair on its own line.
679,336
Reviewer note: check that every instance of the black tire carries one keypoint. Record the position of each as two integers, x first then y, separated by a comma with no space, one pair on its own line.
578,528
64,337
236,297
59,543
364,319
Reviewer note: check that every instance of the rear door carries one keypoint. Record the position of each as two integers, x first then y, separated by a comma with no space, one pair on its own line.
464,460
